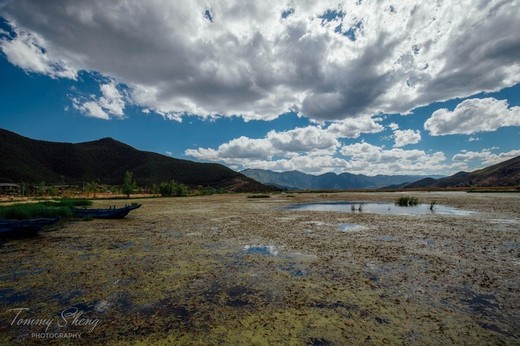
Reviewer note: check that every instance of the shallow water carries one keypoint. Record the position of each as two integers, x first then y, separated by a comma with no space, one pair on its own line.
350,227
261,250
380,208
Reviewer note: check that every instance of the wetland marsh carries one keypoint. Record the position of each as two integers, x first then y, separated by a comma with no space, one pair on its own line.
228,269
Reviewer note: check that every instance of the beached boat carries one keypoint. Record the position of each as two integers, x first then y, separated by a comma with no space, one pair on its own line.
105,213
23,228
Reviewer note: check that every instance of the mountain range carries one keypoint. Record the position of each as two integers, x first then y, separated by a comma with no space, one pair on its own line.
296,180
506,173
106,160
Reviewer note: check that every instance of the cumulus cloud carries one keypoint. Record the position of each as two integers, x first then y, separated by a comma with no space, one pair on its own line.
393,126
261,59
406,137
311,139
26,51
110,104
472,116
316,150
353,128
366,158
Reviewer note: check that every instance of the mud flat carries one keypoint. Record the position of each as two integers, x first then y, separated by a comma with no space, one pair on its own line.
228,269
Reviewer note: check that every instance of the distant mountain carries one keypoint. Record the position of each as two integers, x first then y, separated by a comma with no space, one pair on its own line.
296,180
106,160
505,173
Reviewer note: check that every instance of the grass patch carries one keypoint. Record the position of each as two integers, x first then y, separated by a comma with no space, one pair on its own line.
68,202
407,201
55,208
31,211
259,196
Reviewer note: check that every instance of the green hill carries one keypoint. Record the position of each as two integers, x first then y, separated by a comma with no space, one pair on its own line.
106,160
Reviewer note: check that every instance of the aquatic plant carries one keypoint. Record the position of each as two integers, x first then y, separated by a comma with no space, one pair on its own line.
407,201
432,204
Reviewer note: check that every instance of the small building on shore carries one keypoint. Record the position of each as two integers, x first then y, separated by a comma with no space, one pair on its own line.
9,189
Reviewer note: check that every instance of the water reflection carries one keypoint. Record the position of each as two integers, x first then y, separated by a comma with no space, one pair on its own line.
380,208
350,227
261,250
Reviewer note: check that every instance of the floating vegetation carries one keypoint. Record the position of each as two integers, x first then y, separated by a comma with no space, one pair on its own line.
407,201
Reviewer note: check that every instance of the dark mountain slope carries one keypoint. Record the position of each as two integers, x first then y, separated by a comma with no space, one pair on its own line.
105,160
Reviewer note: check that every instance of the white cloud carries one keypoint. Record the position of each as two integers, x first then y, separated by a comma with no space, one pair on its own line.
112,100
369,159
406,137
353,128
311,139
305,139
483,158
26,51
393,126
248,60
111,103
269,153
90,108
472,116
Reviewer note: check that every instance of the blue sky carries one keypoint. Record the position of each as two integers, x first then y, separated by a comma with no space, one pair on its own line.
361,87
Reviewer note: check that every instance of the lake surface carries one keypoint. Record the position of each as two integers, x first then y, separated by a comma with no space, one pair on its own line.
380,208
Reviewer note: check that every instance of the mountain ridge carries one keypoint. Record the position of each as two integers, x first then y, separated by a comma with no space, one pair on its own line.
505,173
106,160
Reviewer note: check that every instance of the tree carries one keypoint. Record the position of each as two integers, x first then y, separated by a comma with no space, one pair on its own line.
42,189
91,187
129,184
172,188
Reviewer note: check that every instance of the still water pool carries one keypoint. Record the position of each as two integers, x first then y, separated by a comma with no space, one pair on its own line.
380,208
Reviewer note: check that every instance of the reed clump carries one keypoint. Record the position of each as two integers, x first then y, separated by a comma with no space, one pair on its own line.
407,201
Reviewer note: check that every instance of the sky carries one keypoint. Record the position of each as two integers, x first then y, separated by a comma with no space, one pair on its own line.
366,87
